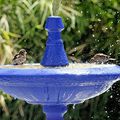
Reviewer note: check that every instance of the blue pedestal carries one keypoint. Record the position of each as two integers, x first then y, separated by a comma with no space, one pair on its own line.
54,54
54,112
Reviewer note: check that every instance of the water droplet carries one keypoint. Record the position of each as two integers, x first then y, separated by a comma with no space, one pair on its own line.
93,35
91,116
111,111
110,53
118,94
105,111
111,96
74,106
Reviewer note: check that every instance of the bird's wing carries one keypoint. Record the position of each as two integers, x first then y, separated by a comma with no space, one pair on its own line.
16,56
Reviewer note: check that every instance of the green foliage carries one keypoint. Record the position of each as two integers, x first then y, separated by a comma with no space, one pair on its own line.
93,109
91,26
97,27
55,6
19,110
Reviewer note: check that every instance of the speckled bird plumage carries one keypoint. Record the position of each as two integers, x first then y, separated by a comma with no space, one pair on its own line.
20,57
101,58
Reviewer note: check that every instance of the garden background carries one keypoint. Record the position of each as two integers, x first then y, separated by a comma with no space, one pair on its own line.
91,26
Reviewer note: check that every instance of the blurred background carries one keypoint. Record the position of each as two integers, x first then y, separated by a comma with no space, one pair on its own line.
91,26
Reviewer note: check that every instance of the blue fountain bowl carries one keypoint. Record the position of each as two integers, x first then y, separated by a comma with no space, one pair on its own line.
61,85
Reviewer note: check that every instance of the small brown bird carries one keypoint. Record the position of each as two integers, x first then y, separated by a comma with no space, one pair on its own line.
20,57
101,58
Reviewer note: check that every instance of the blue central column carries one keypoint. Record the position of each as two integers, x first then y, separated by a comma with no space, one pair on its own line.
54,112
54,54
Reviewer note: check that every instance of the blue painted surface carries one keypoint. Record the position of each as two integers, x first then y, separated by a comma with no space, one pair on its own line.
54,54
54,112
56,87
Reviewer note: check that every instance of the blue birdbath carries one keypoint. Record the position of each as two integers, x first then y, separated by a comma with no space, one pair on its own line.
55,82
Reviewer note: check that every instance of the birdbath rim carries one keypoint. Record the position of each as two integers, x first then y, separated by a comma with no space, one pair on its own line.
72,69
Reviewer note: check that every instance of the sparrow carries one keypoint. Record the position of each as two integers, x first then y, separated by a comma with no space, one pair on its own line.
20,57
101,58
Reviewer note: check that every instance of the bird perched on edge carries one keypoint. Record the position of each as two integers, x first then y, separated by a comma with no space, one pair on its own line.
101,58
20,57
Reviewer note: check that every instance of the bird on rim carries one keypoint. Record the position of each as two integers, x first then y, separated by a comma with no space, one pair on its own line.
20,57
101,58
